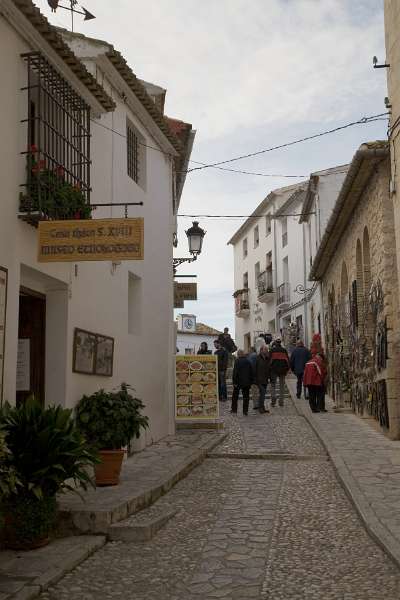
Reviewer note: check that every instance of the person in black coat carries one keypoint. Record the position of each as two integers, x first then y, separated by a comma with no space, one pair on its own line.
298,359
263,375
203,349
242,378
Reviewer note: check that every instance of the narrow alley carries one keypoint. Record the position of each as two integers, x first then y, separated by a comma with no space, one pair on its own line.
263,517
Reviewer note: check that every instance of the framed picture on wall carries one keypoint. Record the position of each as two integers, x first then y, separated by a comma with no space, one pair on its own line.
84,352
104,356
3,312
93,353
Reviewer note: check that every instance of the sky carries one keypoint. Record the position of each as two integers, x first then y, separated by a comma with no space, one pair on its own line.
248,75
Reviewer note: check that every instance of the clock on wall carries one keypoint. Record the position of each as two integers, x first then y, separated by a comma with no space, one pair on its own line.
188,323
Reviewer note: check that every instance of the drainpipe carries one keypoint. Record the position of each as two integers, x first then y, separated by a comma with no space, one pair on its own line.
305,287
276,273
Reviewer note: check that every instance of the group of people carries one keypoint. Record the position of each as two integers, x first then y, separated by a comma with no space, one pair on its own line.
269,363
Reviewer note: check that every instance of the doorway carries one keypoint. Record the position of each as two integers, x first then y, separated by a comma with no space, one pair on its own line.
31,346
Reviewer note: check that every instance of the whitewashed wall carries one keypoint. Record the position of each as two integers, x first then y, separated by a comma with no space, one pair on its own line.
95,296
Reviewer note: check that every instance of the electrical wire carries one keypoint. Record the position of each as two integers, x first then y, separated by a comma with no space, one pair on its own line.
241,216
362,121
217,165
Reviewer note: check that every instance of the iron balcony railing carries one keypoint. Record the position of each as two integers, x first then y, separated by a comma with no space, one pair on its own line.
241,300
57,184
265,282
283,294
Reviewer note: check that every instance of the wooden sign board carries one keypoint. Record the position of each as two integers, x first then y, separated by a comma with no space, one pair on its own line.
91,239
185,291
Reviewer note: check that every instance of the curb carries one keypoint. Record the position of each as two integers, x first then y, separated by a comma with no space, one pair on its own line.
378,532
71,559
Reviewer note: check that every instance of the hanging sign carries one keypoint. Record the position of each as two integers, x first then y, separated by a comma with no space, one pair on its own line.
196,387
91,239
184,291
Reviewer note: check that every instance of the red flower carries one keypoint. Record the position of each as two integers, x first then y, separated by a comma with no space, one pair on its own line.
39,166
60,171
33,149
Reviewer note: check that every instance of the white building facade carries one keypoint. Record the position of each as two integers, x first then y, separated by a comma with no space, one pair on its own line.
191,333
273,253
134,155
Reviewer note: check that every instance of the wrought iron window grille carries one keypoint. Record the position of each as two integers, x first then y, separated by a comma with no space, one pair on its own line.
58,146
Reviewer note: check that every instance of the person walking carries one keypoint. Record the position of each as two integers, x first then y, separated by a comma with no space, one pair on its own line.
314,380
203,349
263,374
254,393
242,379
317,348
298,359
279,369
222,362
227,342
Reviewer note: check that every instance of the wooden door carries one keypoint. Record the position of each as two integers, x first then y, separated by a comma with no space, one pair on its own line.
31,343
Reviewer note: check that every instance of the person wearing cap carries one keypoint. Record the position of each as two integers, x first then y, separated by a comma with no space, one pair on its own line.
279,365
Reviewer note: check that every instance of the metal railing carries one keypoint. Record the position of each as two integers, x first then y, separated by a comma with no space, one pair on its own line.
265,282
241,300
283,294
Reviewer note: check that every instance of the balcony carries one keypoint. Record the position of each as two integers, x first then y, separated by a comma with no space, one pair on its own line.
265,287
57,184
283,296
242,304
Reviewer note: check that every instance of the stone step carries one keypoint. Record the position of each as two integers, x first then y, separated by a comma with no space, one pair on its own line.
142,527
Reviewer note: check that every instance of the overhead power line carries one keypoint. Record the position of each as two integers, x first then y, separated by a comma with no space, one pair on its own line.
362,121
243,216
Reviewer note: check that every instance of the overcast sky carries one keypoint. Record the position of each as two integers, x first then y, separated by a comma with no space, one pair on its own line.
249,74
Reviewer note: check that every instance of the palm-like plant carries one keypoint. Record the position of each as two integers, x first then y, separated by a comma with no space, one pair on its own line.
47,450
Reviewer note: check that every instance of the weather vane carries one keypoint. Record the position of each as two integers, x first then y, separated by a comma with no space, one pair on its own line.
54,4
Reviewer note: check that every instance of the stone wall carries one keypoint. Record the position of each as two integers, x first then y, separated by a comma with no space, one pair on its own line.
352,316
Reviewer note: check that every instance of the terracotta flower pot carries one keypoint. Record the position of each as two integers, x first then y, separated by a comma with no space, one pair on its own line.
108,471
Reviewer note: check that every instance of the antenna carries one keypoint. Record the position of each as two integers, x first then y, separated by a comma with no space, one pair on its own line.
87,16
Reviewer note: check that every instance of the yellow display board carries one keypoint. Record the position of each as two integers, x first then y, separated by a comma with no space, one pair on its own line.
91,239
196,387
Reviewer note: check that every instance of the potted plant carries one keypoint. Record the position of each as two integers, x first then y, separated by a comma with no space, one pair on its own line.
109,421
48,455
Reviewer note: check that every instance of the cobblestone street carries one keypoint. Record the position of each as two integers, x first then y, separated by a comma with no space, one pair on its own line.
261,526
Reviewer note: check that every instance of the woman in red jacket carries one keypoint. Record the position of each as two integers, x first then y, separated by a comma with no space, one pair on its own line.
314,380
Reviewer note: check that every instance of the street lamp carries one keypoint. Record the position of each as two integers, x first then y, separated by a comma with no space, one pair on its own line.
195,235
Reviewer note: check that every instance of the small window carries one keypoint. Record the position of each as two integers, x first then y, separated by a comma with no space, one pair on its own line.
268,225
245,248
245,280
284,233
268,262
257,271
256,237
136,167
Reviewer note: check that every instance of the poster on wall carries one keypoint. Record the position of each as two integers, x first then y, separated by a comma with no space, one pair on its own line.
24,365
3,310
196,388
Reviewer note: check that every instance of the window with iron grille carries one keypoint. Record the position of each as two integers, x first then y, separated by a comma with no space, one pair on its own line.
58,146
136,154
132,147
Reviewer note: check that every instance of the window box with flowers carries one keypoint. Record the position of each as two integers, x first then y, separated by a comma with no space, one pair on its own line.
50,194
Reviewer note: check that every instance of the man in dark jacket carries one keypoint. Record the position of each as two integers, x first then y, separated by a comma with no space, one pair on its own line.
298,359
254,393
279,369
226,341
242,379
222,360
263,374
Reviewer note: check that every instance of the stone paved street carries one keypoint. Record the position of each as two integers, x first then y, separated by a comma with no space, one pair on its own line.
248,528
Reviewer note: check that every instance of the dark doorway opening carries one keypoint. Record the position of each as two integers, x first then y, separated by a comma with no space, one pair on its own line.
31,346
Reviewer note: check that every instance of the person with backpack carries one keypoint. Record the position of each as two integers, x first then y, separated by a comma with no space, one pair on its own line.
226,341
242,378
279,368
298,359
314,380
263,374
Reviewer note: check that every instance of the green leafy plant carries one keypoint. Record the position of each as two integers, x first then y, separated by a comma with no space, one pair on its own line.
58,198
109,420
28,520
9,481
48,452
